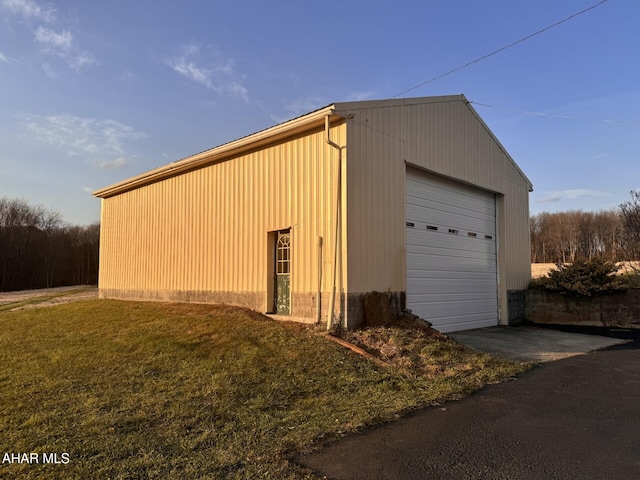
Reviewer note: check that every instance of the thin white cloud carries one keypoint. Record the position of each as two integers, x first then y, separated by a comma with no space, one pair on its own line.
86,189
359,96
570,195
218,75
299,107
49,71
125,76
90,137
80,59
30,9
51,39
54,40
4,58
111,164
62,45
597,156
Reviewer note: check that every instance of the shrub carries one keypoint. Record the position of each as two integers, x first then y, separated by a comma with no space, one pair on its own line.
633,279
583,278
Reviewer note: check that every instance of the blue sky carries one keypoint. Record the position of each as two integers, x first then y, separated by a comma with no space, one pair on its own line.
92,93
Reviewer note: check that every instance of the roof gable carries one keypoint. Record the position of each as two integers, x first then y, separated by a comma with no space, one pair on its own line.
281,131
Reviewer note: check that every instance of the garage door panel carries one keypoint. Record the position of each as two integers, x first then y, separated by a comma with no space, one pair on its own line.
448,263
443,268
451,253
450,257
465,309
426,240
441,225
470,284
456,324
476,230
462,209
433,211
439,188
428,254
467,201
421,285
446,297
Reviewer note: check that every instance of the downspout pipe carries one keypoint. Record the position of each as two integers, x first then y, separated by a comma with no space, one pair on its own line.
319,293
332,299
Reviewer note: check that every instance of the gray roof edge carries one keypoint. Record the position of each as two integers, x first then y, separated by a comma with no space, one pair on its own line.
397,102
203,158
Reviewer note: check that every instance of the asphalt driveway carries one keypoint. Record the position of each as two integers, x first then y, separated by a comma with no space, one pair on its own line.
576,418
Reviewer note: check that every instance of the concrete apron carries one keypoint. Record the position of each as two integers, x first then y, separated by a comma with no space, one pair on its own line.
531,344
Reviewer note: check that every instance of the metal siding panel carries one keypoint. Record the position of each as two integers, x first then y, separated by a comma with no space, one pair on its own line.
444,137
374,182
206,230
517,249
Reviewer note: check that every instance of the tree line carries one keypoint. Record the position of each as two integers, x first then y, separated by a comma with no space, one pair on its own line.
564,237
39,250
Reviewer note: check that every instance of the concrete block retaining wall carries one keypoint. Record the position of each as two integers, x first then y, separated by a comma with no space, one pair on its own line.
613,310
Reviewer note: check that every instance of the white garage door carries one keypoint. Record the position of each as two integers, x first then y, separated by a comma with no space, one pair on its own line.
451,253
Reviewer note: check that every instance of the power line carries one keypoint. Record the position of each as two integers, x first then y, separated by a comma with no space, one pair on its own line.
495,52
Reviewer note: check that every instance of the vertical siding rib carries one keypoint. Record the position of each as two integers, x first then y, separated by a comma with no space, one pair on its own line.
206,230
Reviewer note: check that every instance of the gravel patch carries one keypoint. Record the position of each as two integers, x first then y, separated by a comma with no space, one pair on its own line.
87,293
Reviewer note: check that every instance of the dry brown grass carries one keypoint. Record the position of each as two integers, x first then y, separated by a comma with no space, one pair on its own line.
427,354
539,270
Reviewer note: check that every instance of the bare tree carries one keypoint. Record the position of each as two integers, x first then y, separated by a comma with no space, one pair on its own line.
607,231
565,237
37,249
630,213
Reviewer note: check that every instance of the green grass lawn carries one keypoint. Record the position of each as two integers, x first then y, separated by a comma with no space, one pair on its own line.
143,390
